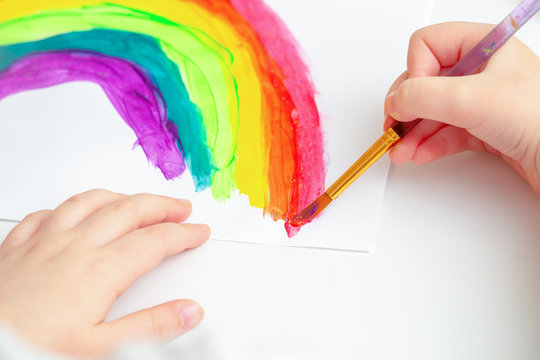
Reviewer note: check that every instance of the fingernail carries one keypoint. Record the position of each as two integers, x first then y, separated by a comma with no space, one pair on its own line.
388,121
389,104
192,314
184,202
204,231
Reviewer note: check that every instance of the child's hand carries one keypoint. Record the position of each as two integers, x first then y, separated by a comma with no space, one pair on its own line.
497,110
61,271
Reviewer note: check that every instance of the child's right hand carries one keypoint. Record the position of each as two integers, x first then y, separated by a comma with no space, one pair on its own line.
497,110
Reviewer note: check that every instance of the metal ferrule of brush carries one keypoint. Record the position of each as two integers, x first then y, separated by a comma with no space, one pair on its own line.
374,153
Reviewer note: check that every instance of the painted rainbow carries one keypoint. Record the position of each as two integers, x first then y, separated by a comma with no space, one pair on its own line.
214,86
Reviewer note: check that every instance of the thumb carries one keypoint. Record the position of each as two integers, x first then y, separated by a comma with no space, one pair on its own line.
162,322
443,99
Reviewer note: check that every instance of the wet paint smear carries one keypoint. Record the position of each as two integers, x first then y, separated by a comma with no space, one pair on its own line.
146,53
310,213
129,90
232,93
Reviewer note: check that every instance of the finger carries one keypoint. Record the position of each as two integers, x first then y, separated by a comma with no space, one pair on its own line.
140,251
388,120
447,141
398,82
162,322
438,46
440,98
404,151
432,51
77,208
25,230
131,213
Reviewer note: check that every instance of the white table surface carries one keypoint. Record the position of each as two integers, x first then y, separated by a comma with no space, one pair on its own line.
456,272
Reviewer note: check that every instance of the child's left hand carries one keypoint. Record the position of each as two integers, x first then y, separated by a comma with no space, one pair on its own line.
61,271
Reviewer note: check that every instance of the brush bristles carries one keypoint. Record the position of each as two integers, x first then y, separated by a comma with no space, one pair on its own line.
312,211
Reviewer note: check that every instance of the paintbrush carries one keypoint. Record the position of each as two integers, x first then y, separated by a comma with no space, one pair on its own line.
470,64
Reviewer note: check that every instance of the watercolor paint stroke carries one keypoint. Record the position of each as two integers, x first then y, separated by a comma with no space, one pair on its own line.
130,92
146,53
237,98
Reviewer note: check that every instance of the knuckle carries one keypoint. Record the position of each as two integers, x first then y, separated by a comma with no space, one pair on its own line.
419,34
77,198
126,205
407,94
101,192
36,215
163,231
104,261
89,194
416,35
166,239
143,197
165,321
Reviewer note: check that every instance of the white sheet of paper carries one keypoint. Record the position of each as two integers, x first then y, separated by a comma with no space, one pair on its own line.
64,140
